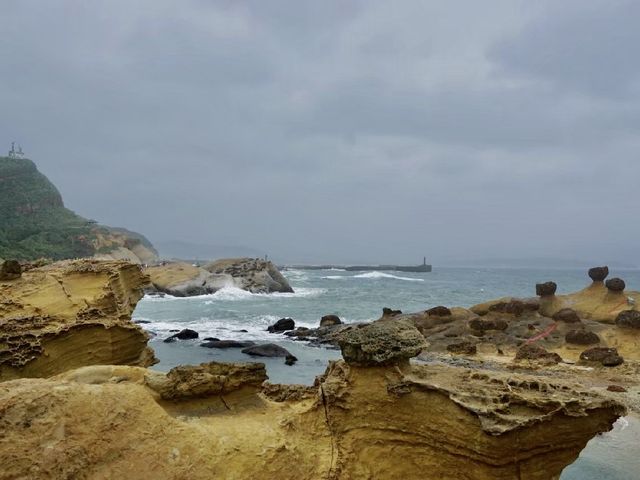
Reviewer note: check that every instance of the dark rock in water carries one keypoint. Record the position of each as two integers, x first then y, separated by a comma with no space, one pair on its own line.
170,339
439,311
616,388
330,320
241,331
388,312
290,359
298,332
174,330
483,324
567,315
282,325
226,344
211,339
615,284
141,322
536,352
546,289
186,334
10,270
581,337
629,319
598,274
463,348
380,343
267,350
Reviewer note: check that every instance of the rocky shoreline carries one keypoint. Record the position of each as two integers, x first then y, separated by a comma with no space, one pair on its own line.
513,388
182,279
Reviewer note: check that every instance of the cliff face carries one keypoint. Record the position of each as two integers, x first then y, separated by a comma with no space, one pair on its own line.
70,314
34,222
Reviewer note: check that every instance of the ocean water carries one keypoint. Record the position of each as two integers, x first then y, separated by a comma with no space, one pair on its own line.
360,296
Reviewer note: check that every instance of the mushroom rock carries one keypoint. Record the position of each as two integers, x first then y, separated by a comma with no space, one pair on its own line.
615,284
546,289
380,343
598,274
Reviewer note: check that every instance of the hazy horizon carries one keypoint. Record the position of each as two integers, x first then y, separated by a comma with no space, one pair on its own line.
340,131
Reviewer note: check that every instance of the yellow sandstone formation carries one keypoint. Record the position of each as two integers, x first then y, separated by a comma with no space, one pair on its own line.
70,314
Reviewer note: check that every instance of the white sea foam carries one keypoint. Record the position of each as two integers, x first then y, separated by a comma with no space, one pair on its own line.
336,277
378,275
235,293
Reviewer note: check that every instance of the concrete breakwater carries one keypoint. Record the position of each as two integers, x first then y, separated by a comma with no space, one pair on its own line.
425,267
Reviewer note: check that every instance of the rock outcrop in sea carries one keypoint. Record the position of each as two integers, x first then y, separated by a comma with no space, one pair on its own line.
182,279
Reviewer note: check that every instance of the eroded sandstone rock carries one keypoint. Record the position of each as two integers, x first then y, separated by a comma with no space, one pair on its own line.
10,270
615,284
629,319
380,343
69,314
546,289
330,321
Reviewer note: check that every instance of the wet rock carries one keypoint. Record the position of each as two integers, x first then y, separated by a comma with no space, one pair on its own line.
242,330
615,284
537,353
170,339
226,344
10,270
290,359
211,339
616,388
282,325
439,311
388,312
463,348
567,315
581,337
267,350
629,319
482,325
598,274
546,289
298,332
330,320
186,334
380,343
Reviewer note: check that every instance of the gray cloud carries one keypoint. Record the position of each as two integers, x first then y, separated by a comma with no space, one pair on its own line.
372,131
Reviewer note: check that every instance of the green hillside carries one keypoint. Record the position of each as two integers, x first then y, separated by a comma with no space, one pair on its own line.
34,222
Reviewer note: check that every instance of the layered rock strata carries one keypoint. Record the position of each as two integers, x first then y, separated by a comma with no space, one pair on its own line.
368,419
69,314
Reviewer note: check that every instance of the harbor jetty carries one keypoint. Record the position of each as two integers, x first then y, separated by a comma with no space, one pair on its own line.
425,267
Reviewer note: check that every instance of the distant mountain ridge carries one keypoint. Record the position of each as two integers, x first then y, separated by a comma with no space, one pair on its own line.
34,222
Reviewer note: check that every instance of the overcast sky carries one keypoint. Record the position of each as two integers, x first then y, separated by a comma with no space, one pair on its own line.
337,130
